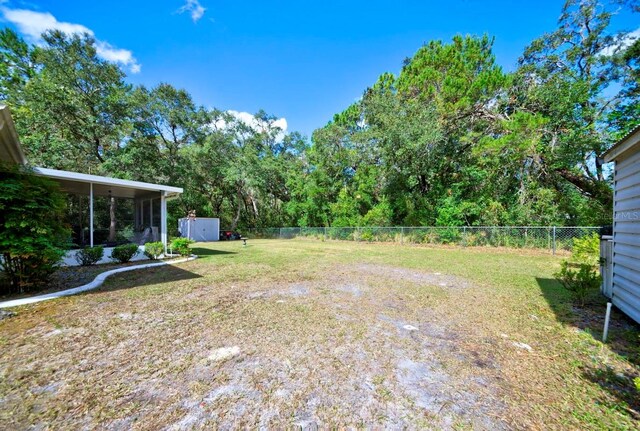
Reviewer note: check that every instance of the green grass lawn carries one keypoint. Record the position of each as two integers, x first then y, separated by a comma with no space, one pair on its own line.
299,333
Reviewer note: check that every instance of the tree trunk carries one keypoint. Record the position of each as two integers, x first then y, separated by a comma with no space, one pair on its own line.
254,204
112,217
597,190
234,223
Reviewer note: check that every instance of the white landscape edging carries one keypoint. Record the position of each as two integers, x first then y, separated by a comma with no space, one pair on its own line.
97,282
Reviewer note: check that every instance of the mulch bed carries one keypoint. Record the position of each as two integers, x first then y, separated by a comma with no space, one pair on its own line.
68,277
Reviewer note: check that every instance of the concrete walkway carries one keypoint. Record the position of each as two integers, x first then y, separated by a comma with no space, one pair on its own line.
97,282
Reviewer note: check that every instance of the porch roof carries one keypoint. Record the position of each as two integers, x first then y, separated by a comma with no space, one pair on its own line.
75,182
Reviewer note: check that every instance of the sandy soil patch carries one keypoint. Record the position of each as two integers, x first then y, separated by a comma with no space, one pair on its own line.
315,344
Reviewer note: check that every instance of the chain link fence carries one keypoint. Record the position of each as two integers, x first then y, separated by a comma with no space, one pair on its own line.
552,238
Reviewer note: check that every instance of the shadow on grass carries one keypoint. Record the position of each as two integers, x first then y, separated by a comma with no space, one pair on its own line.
157,275
624,339
144,277
620,385
201,252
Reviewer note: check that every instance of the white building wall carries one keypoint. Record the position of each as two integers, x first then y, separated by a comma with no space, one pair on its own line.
626,235
202,229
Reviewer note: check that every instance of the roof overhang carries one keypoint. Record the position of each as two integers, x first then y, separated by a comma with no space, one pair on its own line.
630,142
77,183
10,149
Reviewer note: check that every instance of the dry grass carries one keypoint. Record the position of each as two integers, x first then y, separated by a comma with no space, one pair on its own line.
304,333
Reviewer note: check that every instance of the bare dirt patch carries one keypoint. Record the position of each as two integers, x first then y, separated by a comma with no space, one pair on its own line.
318,343
406,274
389,373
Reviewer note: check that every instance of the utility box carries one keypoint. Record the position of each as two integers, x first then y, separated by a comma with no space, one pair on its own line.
200,229
606,265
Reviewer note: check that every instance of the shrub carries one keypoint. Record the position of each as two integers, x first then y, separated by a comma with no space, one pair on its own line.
586,250
124,253
367,235
579,282
380,215
449,235
89,255
181,245
153,250
32,238
429,238
584,277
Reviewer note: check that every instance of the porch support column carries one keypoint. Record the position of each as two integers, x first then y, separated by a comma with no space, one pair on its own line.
136,214
163,220
91,214
150,213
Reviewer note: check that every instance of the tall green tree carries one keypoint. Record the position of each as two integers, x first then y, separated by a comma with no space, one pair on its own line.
17,67
569,77
75,111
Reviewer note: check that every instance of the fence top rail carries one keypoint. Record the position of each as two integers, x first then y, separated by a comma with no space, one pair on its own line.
490,227
429,227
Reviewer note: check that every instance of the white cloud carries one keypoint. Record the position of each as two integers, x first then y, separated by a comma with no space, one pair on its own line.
32,24
194,8
135,68
623,44
256,124
251,121
117,55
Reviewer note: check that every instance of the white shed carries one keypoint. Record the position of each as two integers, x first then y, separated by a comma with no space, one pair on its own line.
625,291
200,229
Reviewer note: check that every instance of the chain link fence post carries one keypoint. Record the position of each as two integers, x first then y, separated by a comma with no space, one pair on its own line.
554,241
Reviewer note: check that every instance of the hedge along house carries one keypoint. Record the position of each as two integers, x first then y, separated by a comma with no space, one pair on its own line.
624,282
150,200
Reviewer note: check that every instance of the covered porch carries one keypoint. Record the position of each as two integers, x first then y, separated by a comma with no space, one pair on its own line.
149,202
146,212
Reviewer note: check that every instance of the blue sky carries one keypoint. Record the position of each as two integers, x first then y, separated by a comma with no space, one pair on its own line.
303,61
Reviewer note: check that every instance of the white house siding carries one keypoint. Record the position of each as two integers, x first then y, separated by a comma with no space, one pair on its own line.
626,235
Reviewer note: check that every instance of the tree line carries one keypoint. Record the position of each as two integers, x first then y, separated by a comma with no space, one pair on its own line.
452,139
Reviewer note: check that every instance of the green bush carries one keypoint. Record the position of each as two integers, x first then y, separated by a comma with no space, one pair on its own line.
586,250
124,253
579,282
153,250
32,238
366,235
449,235
580,274
181,245
89,255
